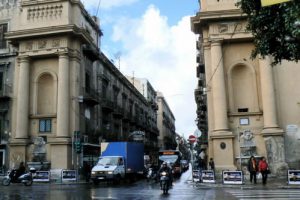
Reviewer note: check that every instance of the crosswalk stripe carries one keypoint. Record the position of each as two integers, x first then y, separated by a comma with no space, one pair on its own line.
265,194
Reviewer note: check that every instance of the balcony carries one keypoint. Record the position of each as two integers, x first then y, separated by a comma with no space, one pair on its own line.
90,51
5,92
90,97
118,111
126,116
107,105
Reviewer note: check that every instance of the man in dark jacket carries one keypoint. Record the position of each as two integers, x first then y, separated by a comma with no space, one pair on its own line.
252,168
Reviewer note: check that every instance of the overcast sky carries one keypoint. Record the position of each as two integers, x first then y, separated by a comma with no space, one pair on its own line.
154,41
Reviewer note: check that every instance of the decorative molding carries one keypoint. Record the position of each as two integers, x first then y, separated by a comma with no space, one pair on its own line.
42,44
28,46
8,4
55,43
228,28
223,28
45,12
35,45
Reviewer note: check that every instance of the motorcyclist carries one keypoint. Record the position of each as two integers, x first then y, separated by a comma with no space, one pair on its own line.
166,168
21,170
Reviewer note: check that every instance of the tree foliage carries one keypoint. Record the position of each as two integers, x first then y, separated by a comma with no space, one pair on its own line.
274,28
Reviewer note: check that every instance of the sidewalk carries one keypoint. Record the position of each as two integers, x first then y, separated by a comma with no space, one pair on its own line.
272,183
58,182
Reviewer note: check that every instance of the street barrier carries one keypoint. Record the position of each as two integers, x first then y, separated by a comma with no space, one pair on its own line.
68,175
41,176
208,176
294,177
232,177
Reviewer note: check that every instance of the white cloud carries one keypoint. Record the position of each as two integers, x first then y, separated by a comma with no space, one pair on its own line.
166,57
106,4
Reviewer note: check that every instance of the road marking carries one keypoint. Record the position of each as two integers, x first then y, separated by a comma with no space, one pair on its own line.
265,194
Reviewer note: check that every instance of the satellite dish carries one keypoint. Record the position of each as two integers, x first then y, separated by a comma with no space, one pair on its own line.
197,133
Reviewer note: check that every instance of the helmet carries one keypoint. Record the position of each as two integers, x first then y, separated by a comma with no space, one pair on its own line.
164,163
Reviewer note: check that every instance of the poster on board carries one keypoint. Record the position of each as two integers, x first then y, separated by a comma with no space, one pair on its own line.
196,176
68,175
294,177
208,176
232,177
41,176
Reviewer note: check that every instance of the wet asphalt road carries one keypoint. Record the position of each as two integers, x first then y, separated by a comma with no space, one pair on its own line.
183,189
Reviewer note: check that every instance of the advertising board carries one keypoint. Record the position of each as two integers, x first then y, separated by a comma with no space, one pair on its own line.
293,177
232,177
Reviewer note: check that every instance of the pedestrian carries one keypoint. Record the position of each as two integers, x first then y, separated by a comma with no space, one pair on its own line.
211,164
263,169
87,171
252,168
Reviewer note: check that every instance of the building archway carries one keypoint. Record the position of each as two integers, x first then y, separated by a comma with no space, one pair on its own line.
242,87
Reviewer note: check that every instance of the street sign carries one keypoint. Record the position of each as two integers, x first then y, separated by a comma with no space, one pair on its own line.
197,133
272,2
192,138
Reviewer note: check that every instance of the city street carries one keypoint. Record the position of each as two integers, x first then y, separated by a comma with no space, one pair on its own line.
183,189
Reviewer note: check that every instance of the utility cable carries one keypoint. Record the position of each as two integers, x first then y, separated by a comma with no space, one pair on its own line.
214,72
98,8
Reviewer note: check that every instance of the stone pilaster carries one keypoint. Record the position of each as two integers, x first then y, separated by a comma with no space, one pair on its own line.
63,100
268,94
222,138
272,134
23,100
218,87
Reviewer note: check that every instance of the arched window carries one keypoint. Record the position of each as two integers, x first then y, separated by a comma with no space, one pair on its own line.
243,95
45,90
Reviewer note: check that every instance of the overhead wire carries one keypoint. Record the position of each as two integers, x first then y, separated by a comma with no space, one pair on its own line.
98,8
214,72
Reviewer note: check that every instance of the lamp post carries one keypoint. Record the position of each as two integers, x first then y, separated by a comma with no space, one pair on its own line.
239,138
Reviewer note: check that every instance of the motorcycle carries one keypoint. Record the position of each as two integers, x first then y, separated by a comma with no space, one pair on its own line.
11,177
164,182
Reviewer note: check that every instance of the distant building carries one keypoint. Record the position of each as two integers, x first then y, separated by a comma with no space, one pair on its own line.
7,62
166,124
147,90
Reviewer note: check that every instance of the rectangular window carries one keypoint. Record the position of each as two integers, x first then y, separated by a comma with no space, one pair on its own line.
45,125
87,83
1,81
3,30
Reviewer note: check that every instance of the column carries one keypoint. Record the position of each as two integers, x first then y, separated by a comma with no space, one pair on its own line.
268,94
63,97
218,87
23,99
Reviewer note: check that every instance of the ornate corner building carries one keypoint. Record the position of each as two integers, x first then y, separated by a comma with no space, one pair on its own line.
244,96
57,88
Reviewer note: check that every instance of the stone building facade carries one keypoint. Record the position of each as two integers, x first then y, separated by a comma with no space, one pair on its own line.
7,63
65,89
165,124
251,106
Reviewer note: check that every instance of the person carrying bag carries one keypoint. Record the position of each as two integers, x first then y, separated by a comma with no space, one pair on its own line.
263,169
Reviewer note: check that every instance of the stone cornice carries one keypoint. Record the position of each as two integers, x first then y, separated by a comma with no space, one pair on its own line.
202,18
15,36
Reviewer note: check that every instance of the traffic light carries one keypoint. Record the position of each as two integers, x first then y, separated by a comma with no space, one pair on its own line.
78,147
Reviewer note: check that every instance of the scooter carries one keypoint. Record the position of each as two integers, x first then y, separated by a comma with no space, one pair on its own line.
164,182
11,177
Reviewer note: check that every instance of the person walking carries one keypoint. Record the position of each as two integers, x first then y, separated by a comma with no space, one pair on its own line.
211,164
263,169
252,168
